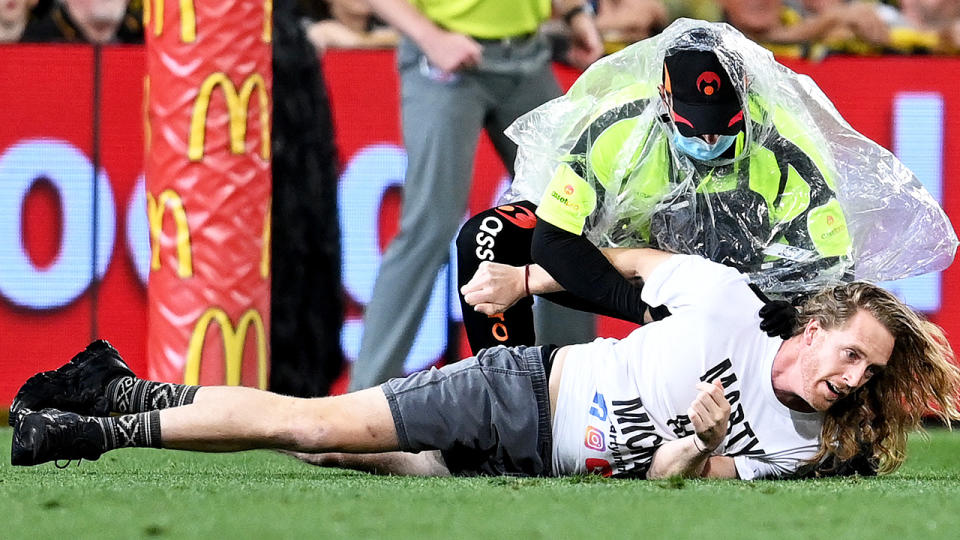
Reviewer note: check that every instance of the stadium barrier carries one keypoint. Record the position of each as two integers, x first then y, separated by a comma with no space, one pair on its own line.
74,267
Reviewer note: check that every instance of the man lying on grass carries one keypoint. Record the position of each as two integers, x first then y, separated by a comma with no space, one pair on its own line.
703,392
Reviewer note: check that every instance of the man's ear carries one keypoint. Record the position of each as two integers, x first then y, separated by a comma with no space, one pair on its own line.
810,330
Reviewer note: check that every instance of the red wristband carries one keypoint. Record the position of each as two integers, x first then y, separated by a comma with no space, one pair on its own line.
697,446
526,280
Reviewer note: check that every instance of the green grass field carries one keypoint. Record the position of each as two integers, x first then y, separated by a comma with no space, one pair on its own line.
154,493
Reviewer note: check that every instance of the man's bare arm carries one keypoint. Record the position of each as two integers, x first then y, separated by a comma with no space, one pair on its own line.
720,467
691,456
683,457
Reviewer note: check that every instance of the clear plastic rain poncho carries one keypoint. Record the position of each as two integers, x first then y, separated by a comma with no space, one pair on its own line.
736,210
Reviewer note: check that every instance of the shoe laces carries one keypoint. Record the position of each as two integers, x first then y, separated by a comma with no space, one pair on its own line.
66,463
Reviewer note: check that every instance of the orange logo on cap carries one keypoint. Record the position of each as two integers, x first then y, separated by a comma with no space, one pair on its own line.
568,189
708,83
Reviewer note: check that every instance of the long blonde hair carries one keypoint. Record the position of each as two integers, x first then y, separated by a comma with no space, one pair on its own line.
921,377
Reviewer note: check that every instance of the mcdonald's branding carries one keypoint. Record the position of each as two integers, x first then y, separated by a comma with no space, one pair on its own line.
156,209
153,10
267,21
265,253
233,341
238,105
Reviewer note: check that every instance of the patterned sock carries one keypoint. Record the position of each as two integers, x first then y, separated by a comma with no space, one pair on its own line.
139,430
133,395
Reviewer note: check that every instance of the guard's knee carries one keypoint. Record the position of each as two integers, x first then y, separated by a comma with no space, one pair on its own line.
478,237
502,234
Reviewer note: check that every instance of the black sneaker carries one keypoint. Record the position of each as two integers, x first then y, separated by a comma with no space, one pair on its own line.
78,386
50,435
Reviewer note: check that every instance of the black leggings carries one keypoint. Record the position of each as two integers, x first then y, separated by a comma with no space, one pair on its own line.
504,234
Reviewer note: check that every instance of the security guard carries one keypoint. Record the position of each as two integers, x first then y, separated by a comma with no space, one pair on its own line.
714,170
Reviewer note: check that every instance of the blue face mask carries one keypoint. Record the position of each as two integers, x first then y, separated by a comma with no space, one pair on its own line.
698,149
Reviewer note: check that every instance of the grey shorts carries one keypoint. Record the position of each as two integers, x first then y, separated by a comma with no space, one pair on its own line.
488,415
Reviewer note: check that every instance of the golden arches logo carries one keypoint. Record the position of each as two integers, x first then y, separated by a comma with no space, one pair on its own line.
238,105
153,10
267,21
265,250
233,340
156,209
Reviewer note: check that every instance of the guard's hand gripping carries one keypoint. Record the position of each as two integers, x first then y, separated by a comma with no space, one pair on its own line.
777,317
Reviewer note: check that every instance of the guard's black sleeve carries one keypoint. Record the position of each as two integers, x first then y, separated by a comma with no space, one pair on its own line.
584,272
591,282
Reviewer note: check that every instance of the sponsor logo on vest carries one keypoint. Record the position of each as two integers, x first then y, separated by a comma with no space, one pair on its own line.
565,201
831,233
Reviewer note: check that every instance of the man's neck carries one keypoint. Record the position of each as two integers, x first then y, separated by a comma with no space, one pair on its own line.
786,378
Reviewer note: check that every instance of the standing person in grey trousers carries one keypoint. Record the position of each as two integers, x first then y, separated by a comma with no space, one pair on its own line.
465,65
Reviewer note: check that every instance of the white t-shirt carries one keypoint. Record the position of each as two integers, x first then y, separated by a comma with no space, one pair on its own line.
619,400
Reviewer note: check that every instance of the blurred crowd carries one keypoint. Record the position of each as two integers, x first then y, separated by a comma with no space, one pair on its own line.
71,21
798,28
790,28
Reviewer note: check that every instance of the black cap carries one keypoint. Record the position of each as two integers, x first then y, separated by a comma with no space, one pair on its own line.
704,98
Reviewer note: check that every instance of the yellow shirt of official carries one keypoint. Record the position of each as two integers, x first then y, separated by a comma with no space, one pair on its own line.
486,19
